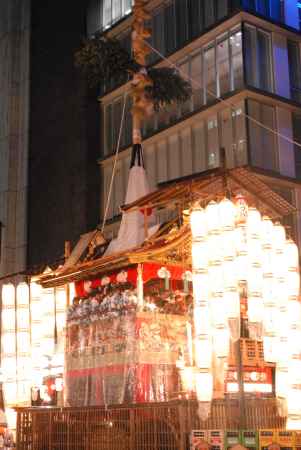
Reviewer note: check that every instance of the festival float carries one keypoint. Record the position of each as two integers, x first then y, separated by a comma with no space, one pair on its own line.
202,318
187,327
171,318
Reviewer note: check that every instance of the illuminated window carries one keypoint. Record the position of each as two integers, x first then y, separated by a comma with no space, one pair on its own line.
114,10
258,58
294,70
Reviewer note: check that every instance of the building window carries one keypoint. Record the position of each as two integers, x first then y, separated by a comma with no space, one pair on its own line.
236,61
114,10
297,138
258,61
214,70
294,70
268,8
112,121
262,142
210,74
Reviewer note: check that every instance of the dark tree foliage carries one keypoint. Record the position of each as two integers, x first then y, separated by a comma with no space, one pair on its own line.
168,87
101,58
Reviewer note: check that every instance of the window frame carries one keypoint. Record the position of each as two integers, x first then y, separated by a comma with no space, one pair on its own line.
255,58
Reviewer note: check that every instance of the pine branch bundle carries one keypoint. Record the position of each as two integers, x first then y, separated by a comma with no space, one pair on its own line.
102,58
168,87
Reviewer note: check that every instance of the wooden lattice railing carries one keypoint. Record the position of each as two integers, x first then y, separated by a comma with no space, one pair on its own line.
160,426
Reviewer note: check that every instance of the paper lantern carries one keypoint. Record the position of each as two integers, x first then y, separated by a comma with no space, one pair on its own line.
267,230
254,223
199,255
278,237
216,281
242,253
241,209
188,378
227,214
213,217
202,324
221,341
203,352
198,222
23,319
60,310
270,344
8,343
281,382
200,288
48,321
228,243
215,248
204,386
291,255
255,308
8,295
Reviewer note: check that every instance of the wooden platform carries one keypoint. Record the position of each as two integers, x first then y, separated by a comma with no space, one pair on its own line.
158,426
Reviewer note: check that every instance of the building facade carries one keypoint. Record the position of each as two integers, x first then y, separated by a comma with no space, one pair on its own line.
49,134
14,132
244,61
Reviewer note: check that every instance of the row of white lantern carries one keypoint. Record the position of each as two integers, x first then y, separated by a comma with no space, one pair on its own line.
216,297
32,319
8,343
233,244
280,315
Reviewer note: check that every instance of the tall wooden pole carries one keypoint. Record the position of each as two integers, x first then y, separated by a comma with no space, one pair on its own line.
141,104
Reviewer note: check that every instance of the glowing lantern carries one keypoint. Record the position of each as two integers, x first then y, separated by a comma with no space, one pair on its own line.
203,352
221,341
232,301
267,228
199,255
214,248
279,237
23,344
227,213
228,243
291,255
204,386
198,222
270,348
293,284
48,321
202,323
293,422
254,222
188,379
213,217
23,331
60,309
294,401
200,289
255,280
255,308
281,382
215,272
229,274
8,343
241,209
242,253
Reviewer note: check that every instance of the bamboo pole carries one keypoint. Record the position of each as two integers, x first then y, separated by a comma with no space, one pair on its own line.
141,104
